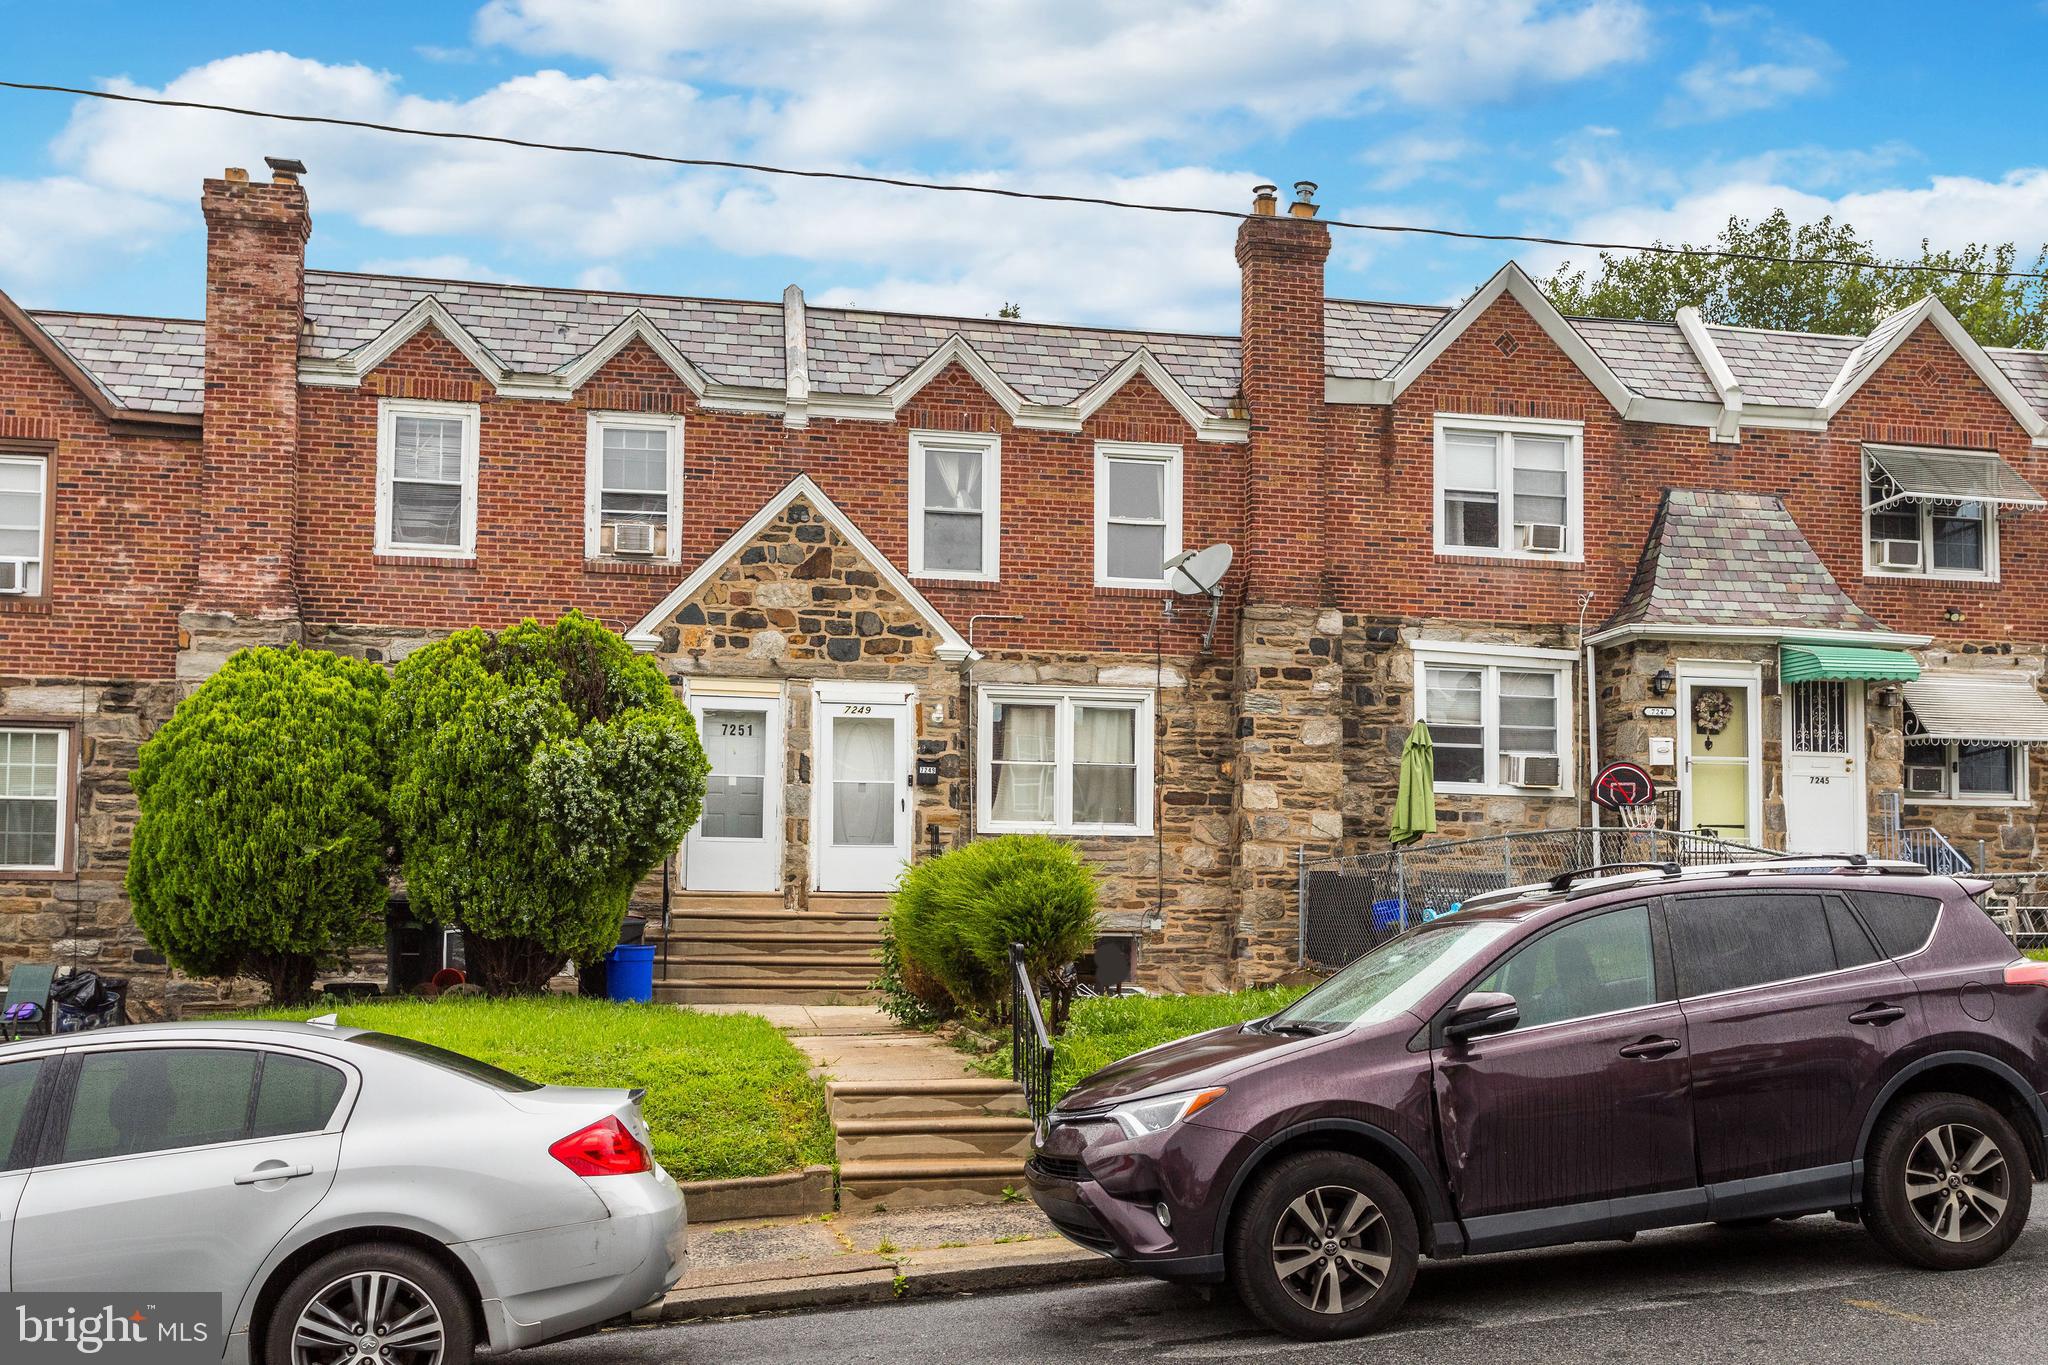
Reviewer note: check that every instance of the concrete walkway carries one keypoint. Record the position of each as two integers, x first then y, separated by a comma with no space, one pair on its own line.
858,1043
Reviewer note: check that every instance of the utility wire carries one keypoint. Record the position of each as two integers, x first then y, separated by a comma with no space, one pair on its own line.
942,187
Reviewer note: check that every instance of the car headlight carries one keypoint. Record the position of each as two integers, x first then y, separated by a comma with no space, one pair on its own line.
1141,1118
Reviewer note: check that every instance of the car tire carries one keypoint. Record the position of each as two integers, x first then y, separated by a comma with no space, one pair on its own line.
1956,1218
416,1292
1357,1270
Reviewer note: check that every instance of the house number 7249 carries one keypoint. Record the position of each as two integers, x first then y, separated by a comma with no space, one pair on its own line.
856,709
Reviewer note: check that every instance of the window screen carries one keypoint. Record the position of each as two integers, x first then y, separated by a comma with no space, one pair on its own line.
1594,966
1902,923
1723,943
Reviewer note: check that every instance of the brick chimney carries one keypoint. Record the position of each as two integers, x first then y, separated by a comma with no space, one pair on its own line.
1280,257
1287,692
255,293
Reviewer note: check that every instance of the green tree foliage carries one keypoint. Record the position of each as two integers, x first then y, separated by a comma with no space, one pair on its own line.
1773,292
259,848
955,916
537,774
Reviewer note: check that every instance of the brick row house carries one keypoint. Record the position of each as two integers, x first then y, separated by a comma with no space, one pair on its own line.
907,570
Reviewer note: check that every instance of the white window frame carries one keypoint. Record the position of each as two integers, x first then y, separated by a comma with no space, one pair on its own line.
991,449
389,410
1491,659
593,482
1950,796
1170,456
40,466
1872,569
1064,700
1504,429
64,794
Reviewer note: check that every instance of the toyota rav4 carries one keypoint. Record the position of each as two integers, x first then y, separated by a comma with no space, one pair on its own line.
1582,1060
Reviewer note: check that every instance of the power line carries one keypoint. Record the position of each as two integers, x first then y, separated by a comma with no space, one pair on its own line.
943,187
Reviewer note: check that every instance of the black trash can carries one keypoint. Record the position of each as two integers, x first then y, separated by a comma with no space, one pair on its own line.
412,950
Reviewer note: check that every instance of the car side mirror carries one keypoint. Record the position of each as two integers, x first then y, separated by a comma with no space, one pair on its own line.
1482,1013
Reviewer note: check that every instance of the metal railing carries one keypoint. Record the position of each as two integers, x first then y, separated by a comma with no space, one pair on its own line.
1923,845
1031,1054
1350,905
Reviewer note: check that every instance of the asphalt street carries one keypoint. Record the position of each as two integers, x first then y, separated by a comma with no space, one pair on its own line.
1815,1290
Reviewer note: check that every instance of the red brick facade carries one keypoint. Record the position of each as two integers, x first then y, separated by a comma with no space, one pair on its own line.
170,548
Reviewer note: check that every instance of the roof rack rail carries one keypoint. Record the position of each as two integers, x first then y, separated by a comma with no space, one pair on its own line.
1563,880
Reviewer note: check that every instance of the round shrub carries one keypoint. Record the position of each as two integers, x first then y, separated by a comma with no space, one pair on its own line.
956,915
537,774
261,830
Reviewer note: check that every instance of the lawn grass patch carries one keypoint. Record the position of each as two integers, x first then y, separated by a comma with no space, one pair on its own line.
727,1094
1104,1029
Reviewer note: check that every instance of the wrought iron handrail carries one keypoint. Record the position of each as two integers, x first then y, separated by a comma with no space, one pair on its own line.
1031,1053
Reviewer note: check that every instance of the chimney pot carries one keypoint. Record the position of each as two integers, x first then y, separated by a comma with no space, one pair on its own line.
1265,200
1304,205
284,170
235,175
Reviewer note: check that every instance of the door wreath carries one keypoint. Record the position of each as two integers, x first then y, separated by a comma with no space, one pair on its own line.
1710,712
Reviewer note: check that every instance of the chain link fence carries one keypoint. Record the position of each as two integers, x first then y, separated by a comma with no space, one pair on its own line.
2018,901
1351,905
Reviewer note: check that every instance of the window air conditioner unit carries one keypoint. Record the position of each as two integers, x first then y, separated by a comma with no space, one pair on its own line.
1927,780
1541,537
633,538
1533,770
13,577
1898,554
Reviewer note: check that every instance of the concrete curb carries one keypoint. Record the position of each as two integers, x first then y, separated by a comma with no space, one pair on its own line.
842,1281
793,1194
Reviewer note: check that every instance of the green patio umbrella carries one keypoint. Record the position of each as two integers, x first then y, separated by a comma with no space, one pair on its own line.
1415,800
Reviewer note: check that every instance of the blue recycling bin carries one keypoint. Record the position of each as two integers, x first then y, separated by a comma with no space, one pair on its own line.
1386,915
629,972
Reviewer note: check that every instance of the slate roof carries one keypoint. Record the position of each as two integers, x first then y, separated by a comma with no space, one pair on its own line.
153,364
1733,559
156,364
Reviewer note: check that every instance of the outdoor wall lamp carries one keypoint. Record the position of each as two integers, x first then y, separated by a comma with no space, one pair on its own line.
1662,684
1954,616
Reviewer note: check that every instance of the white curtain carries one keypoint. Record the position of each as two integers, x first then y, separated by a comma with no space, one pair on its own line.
1022,759
1105,766
863,785
952,480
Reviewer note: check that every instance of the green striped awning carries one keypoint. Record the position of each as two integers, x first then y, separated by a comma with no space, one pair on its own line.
1813,663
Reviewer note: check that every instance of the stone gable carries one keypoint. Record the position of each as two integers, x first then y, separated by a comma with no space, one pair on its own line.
801,599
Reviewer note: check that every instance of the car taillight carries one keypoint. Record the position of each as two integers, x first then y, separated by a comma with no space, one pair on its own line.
604,1148
2027,974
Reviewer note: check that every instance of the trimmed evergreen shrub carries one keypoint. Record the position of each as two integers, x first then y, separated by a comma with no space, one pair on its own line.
956,915
537,774
260,840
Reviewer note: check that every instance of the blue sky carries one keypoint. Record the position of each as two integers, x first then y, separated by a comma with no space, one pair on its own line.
1611,118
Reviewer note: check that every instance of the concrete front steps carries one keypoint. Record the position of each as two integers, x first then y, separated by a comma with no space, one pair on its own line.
921,1142
735,949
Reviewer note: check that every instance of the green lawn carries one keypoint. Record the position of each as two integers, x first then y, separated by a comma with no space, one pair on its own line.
2038,954
1105,1029
727,1094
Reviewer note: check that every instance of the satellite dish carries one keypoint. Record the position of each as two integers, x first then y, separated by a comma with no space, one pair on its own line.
1199,572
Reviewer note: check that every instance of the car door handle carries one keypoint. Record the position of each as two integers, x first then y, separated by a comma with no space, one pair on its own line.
1878,1015
1652,1047
272,1170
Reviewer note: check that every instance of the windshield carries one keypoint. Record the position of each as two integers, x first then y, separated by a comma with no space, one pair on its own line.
1393,976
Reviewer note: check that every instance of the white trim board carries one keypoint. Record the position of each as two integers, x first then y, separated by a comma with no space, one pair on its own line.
645,635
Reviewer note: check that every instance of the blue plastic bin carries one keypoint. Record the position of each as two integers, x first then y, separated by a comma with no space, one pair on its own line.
1386,915
629,972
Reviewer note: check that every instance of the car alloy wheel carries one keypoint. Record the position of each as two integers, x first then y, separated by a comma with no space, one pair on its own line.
372,1317
1957,1182
1332,1249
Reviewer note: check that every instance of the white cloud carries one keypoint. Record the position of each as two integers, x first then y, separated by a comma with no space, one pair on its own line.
1408,157
601,277
1751,63
446,266
58,229
1049,81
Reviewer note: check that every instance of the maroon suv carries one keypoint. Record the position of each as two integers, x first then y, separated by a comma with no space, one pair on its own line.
1576,1062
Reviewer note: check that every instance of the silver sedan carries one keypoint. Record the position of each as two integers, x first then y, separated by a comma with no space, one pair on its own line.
353,1197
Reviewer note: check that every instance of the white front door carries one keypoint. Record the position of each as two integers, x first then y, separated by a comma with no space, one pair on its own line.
1718,763
736,844
1823,779
862,793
